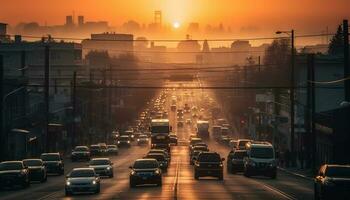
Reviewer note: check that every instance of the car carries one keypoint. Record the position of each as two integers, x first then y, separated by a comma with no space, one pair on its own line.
124,140
236,162
145,171
194,156
137,134
95,150
173,108
37,170
14,173
180,123
162,151
143,139
199,148
173,139
164,146
161,159
209,164
332,182
102,166
82,180
225,139
241,143
233,144
129,133
53,163
194,141
80,153
188,121
112,149
103,148
260,160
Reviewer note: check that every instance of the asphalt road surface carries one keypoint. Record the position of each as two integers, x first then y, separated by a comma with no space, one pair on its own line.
178,182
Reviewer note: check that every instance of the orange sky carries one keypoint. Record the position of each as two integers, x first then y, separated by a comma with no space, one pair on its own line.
305,15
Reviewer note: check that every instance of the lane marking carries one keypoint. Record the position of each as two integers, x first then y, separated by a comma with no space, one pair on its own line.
175,186
49,195
285,195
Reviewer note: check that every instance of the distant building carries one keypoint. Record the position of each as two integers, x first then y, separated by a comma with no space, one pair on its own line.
3,32
69,20
80,21
187,51
240,51
114,43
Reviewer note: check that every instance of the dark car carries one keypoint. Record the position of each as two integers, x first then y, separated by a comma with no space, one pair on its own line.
14,173
80,153
209,164
145,171
162,151
53,163
124,140
162,160
37,170
333,182
173,139
198,148
95,150
194,141
236,162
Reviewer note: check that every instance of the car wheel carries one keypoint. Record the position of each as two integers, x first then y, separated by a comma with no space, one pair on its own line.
111,176
273,175
61,172
246,174
26,184
233,171
196,176
160,183
44,178
221,177
98,190
317,195
132,184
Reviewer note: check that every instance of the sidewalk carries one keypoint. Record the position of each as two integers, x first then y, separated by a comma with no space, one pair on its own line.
302,173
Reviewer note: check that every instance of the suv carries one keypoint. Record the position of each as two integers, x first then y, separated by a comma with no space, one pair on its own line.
236,163
241,143
53,162
209,164
80,152
260,160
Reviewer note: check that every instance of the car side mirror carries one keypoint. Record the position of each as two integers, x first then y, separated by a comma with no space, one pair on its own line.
130,167
67,176
112,163
171,128
222,159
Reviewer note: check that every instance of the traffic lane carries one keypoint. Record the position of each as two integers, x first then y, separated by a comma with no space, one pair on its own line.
292,186
54,187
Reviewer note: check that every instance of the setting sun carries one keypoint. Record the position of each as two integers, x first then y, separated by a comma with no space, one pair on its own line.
176,25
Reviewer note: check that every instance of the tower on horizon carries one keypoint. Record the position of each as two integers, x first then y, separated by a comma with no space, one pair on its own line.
158,17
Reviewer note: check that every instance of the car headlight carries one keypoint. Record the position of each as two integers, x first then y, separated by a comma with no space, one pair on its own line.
133,172
273,164
252,163
221,165
128,142
118,142
94,182
68,183
138,140
132,136
109,168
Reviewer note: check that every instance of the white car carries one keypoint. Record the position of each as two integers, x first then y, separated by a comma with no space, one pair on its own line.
82,180
143,139
112,149
102,166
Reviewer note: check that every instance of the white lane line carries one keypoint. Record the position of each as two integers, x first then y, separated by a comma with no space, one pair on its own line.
49,195
175,186
285,195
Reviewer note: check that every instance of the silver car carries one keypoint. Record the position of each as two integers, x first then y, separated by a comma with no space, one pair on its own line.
102,166
112,150
82,180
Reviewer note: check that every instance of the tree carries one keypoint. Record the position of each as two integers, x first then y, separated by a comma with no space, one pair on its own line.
336,43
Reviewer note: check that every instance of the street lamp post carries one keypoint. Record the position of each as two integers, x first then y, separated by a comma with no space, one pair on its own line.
291,94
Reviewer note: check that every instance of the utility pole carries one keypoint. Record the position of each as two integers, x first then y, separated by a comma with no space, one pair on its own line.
259,63
292,103
105,93
110,96
23,68
346,59
46,137
74,104
311,99
2,133
90,107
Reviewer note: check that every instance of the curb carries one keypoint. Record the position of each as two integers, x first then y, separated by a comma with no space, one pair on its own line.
295,174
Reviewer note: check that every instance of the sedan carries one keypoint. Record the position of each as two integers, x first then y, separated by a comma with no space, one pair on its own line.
82,180
102,167
112,150
14,173
37,170
80,153
162,160
145,171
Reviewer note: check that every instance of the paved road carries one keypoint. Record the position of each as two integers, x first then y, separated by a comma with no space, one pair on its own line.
178,182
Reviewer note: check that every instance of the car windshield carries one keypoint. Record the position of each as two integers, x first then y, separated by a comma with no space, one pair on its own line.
124,138
50,157
94,147
111,146
99,162
11,166
261,153
242,143
195,141
158,157
32,162
209,157
81,149
240,155
160,129
338,171
200,148
82,173
143,136
103,147
145,164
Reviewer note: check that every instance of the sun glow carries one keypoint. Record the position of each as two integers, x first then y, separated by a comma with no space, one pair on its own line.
176,25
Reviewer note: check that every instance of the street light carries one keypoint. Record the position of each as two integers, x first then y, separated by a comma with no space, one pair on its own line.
291,95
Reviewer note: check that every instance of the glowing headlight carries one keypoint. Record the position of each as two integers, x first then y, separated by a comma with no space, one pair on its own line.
128,142
138,140
157,171
118,142
68,183
133,172
108,168
221,165
94,182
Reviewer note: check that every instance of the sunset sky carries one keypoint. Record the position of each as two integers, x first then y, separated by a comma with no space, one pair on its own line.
302,15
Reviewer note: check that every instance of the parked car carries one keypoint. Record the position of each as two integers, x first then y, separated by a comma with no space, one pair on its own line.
14,173
145,171
37,170
161,159
260,160
236,163
332,182
112,149
82,180
80,153
209,164
53,163
102,167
